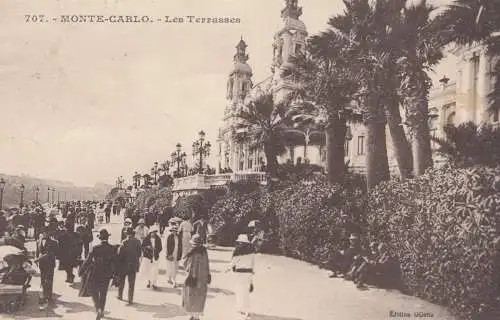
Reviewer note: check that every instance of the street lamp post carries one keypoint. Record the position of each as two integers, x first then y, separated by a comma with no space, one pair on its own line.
154,172
178,157
137,180
48,194
201,148
37,191
22,196
119,182
2,186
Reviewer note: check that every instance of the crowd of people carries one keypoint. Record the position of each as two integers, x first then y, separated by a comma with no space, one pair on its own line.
151,243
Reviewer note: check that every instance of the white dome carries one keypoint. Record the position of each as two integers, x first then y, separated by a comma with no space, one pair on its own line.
241,68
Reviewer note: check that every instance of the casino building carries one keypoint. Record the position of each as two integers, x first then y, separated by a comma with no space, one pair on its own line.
461,100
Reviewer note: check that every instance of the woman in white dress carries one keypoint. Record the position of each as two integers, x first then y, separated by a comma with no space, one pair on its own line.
242,265
174,254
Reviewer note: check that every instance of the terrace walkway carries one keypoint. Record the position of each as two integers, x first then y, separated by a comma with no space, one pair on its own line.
285,289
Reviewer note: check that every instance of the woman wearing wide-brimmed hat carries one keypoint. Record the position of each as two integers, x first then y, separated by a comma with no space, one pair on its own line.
242,265
151,248
195,289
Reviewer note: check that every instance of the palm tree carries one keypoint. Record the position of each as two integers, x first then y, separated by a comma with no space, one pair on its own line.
365,26
467,22
420,51
467,144
326,91
261,124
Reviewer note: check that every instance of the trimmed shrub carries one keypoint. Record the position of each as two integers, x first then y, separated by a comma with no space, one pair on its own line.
230,215
315,218
154,198
442,226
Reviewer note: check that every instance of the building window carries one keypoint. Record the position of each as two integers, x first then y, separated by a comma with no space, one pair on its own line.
242,164
250,163
496,116
361,145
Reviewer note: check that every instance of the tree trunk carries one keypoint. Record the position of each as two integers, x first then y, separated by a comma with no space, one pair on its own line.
377,163
401,146
335,133
271,161
421,141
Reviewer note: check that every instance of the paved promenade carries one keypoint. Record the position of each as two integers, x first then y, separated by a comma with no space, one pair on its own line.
285,289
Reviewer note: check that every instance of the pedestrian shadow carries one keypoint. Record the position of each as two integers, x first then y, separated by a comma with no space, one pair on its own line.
176,290
76,285
164,311
221,291
221,249
254,316
31,311
72,307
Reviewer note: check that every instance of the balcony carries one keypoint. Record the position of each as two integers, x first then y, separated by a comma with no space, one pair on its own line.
204,182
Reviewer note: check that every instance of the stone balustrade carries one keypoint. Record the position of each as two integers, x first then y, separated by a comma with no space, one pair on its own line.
203,182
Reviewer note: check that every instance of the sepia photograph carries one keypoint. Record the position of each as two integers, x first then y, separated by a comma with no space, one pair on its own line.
250,160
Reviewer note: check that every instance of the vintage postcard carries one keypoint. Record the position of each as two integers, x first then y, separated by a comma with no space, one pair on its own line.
263,160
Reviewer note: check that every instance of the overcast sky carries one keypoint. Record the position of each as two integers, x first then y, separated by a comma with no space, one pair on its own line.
89,102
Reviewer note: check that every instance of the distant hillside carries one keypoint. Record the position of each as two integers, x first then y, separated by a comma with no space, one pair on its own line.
64,190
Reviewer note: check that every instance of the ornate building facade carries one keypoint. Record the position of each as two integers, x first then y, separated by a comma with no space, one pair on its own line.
462,100
289,40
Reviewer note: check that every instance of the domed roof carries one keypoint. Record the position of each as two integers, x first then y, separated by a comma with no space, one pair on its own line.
293,24
241,68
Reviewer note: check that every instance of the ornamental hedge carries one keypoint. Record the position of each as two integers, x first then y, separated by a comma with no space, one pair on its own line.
442,226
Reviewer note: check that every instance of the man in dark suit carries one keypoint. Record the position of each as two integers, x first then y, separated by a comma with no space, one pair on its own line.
102,261
128,257
46,251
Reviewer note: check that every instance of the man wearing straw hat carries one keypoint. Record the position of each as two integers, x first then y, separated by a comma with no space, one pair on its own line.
151,248
242,265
